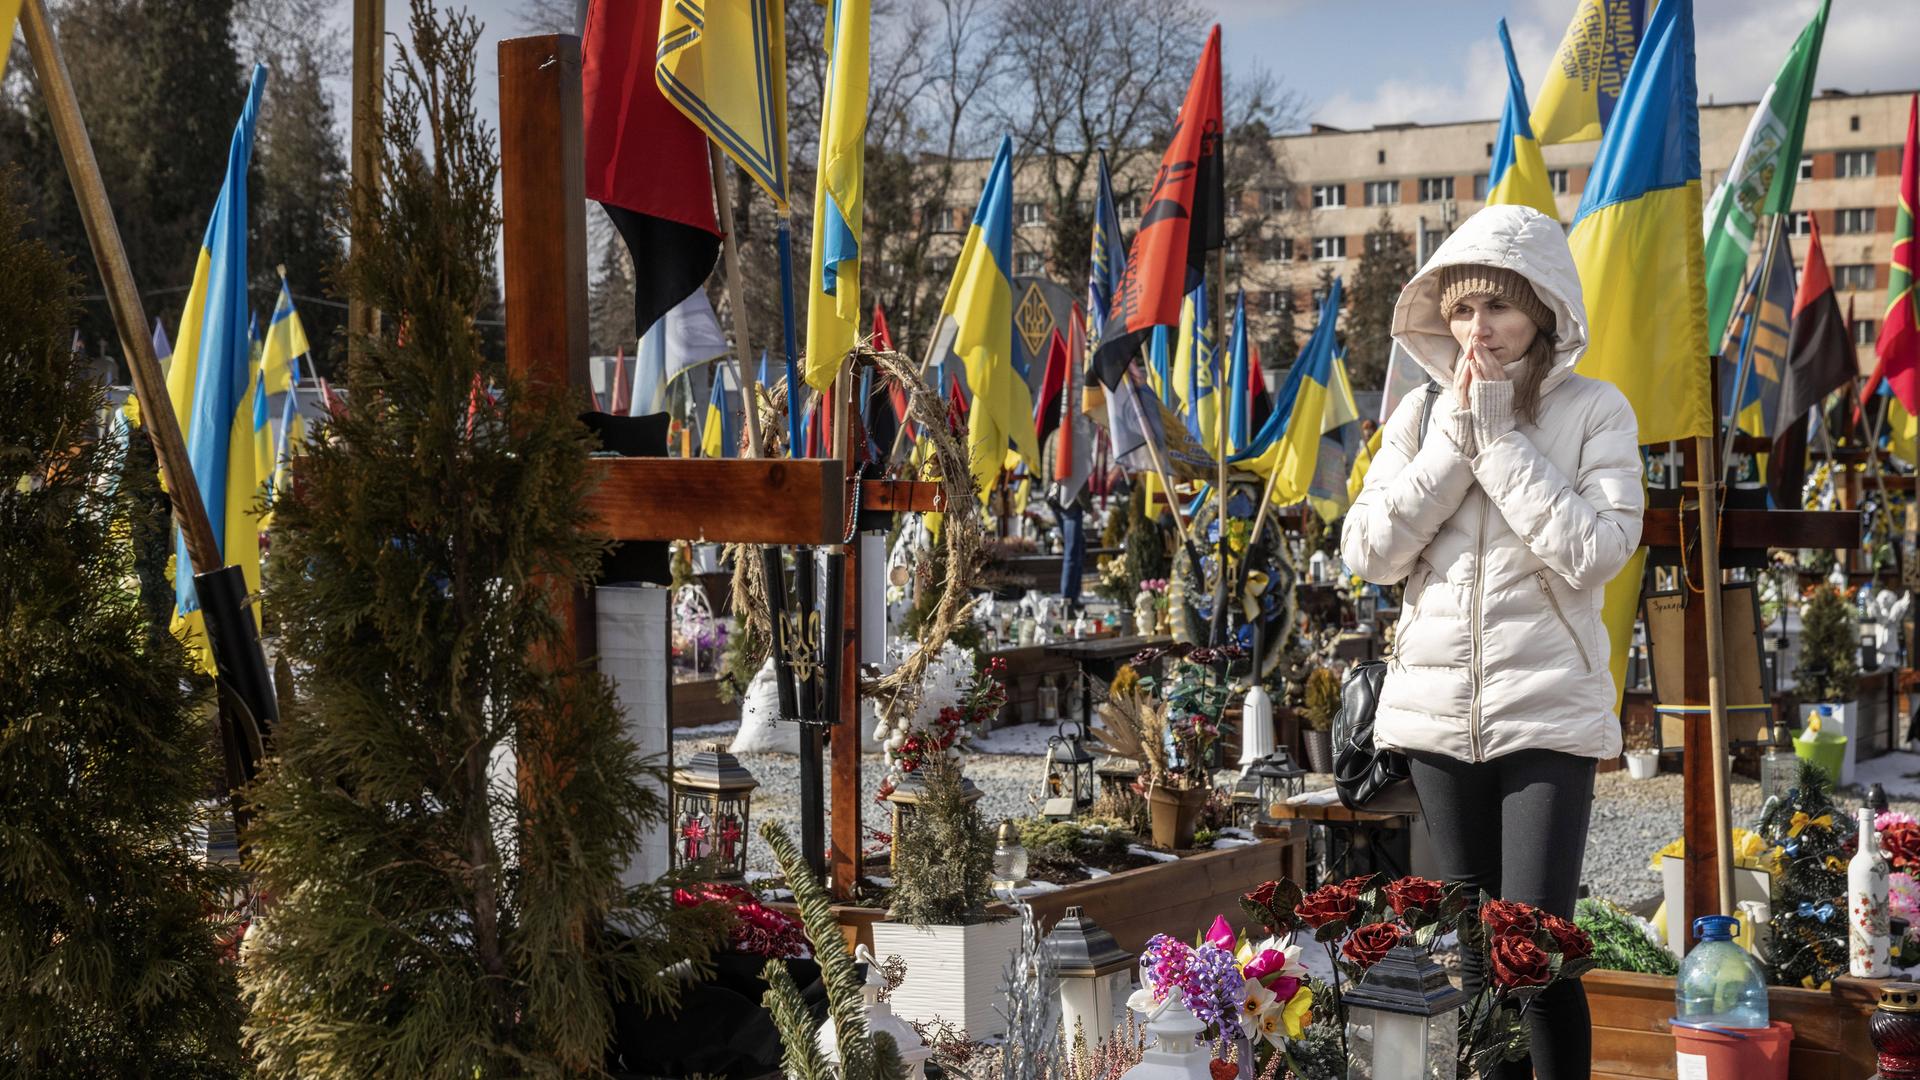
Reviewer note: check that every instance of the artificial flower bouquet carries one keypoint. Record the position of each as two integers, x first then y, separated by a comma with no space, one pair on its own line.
911,747
1358,921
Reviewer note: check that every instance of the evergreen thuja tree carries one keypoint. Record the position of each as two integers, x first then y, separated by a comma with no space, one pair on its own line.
438,911
110,959
1808,929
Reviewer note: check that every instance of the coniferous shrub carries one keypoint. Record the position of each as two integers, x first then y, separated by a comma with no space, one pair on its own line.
110,957
439,910
1829,643
943,855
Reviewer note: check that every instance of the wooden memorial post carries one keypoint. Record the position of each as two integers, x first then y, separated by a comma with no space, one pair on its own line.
802,502
1701,534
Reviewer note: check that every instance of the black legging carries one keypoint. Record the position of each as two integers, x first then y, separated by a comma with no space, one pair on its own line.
1516,826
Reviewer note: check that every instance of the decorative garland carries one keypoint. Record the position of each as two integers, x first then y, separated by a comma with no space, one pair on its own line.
898,691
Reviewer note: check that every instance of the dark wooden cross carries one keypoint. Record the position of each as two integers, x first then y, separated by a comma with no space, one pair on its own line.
1669,528
746,501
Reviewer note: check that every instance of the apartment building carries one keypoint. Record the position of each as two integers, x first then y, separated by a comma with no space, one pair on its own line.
1426,178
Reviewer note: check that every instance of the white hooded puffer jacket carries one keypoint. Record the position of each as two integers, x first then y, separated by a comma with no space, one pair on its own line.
1505,555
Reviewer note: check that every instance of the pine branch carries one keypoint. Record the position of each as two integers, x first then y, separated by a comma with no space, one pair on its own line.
800,1056
863,1056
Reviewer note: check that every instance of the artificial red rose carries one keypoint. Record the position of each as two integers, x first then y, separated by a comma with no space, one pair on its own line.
1367,945
1222,1070
1504,918
1327,904
1571,941
1518,962
1902,841
1358,885
1262,895
1413,892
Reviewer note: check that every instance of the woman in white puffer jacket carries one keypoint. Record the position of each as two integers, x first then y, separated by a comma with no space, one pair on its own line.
1505,518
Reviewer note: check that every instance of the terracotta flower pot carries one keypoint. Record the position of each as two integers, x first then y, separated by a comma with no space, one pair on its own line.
1175,813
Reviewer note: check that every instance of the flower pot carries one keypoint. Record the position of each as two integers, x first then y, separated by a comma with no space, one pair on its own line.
1319,750
1842,718
1175,813
953,972
1643,764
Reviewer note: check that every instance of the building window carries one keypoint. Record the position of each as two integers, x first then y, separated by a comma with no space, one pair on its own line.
1029,213
1383,158
1319,296
1436,188
1129,208
1865,331
941,264
1431,238
1856,276
1280,248
1329,248
1852,163
1383,192
1480,181
1279,301
1853,123
1853,221
1489,149
1326,196
1806,166
1277,199
1799,223
1029,263
1377,242
1558,179
947,220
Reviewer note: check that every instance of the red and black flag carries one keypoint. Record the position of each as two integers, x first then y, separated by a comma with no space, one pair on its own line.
1819,361
646,163
1053,387
1185,218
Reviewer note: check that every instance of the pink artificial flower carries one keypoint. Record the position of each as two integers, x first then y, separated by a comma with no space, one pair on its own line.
1267,963
1221,933
1892,817
1903,897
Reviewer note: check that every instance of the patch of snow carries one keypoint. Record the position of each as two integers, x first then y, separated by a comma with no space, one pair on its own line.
723,727
1096,872
1036,888
1898,772
1231,842
1156,856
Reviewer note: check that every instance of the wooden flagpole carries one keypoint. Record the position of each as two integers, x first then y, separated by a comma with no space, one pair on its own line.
1221,411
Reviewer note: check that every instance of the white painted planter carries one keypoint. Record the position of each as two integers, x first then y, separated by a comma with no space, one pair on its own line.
1747,885
1643,764
953,972
1847,713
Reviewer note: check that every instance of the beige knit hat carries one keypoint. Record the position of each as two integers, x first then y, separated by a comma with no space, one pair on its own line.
1473,279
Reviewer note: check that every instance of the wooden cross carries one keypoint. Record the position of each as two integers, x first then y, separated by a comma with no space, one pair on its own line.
747,501
1704,764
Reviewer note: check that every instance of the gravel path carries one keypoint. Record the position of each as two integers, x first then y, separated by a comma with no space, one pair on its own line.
1631,818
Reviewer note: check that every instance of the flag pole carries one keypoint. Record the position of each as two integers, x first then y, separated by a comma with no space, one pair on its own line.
1746,351
736,293
1153,454
123,296
1222,414
783,241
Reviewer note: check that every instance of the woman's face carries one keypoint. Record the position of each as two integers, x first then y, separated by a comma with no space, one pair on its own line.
1491,323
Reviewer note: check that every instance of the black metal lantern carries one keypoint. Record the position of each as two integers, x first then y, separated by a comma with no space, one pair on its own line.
1069,779
711,795
1268,783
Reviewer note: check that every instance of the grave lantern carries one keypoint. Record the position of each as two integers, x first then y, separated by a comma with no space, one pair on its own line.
1070,778
1096,976
1116,775
711,795
1403,1020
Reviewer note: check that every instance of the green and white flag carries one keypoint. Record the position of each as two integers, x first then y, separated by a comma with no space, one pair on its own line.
1762,175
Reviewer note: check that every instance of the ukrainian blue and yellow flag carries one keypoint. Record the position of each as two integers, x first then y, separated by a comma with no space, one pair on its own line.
1290,439
208,383
9,11
724,64
1193,363
716,434
1340,445
977,325
833,306
286,342
1518,175
1239,379
1588,79
1636,240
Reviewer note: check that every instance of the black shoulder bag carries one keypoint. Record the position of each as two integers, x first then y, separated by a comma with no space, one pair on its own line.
1366,777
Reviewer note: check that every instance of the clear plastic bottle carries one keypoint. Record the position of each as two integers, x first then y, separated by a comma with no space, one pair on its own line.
1720,983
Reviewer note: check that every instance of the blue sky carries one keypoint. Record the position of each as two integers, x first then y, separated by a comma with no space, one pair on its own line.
1362,62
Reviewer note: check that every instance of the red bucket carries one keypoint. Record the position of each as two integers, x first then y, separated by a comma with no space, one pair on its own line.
1732,1053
